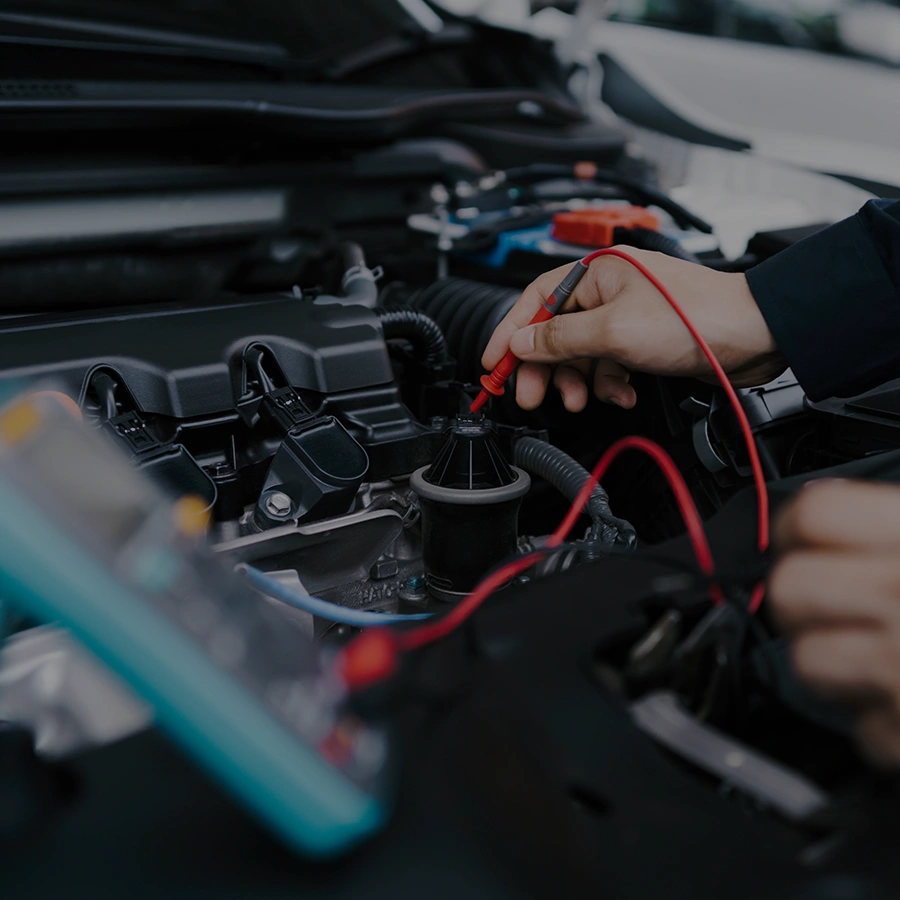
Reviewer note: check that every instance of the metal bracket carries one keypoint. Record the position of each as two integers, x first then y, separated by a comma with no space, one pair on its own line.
662,717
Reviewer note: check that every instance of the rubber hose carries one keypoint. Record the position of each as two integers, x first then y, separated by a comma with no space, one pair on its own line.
647,239
105,387
467,312
422,332
462,323
568,476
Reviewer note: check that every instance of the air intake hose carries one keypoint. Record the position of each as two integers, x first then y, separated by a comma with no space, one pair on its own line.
568,476
467,312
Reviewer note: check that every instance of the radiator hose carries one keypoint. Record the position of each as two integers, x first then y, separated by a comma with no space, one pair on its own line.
421,331
568,476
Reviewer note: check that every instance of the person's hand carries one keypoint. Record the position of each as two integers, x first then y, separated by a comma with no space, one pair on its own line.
836,590
617,323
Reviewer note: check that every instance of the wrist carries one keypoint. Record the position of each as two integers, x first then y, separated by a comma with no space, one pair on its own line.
753,357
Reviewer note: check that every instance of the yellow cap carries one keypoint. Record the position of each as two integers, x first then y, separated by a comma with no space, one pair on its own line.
192,516
19,421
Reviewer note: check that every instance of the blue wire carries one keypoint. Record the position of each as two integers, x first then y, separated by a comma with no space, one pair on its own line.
358,618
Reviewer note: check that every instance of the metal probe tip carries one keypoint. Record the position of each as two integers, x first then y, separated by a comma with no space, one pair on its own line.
479,402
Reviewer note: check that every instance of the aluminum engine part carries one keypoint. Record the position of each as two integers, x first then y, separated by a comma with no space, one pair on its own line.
360,560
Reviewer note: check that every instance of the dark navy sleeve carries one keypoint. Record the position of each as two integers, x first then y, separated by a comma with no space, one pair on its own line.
832,302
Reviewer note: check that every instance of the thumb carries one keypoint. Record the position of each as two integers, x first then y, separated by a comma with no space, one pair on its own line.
565,337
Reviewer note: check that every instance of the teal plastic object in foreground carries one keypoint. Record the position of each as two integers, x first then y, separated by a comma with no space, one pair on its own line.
313,806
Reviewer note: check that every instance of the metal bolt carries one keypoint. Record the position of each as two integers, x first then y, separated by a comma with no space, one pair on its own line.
414,591
278,505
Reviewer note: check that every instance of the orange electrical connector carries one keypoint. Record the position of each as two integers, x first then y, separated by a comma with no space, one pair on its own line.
597,227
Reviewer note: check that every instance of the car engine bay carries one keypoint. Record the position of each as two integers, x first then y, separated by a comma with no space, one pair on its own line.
301,353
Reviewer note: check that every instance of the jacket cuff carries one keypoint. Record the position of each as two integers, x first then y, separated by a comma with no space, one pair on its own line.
833,310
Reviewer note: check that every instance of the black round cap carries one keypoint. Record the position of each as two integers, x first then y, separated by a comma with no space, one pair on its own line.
470,459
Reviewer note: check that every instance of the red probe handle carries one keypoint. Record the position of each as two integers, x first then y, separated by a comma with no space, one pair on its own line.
493,384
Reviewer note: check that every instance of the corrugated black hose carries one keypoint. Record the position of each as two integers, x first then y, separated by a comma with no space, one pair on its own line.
421,331
467,312
568,476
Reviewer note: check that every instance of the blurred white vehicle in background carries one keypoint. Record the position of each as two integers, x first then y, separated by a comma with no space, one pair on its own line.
823,112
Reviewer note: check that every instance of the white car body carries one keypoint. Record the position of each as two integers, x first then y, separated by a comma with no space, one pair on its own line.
824,113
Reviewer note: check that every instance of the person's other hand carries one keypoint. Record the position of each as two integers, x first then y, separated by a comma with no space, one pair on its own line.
836,590
617,323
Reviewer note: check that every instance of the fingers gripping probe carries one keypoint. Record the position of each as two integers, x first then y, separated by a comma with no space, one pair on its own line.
493,384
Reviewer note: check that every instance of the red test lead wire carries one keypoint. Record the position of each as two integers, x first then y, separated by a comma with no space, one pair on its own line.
440,628
759,475
372,657
493,383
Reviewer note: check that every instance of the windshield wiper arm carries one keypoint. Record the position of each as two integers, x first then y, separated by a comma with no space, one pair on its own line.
395,46
87,35
21,29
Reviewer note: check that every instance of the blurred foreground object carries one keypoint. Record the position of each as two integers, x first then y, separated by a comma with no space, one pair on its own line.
89,541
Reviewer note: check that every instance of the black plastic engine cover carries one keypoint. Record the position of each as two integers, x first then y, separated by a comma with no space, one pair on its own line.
186,363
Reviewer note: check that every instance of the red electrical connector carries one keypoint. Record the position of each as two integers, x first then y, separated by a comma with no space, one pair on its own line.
368,659
597,227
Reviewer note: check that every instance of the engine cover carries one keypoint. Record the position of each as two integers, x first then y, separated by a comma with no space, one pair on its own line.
186,363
